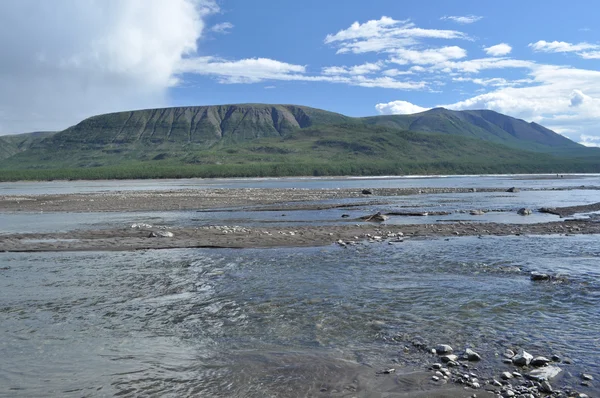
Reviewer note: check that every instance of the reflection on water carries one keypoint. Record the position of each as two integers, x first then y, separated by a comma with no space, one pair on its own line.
286,322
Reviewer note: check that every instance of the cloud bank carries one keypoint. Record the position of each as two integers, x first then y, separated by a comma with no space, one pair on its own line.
64,60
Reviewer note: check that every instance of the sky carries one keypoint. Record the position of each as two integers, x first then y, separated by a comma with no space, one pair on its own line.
64,60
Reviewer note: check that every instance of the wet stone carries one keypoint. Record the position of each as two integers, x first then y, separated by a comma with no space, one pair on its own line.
539,361
523,358
472,355
586,376
449,358
443,349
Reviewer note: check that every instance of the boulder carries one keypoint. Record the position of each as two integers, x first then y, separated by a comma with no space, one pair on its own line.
524,211
513,190
367,192
523,358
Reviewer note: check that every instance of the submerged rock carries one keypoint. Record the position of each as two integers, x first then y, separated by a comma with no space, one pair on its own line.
513,190
545,373
538,276
367,192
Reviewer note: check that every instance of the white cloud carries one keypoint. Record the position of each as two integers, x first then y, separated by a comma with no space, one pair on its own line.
561,46
466,19
589,140
564,99
65,60
385,34
493,82
224,27
584,50
364,69
590,55
250,70
399,108
498,50
429,56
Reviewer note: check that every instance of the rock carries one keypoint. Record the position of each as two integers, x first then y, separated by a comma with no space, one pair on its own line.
517,374
435,378
367,192
555,358
508,353
345,215
545,373
508,393
161,234
449,358
546,387
523,358
472,355
436,366
443,349
506,375
377,217
513,190
586,376
539,361
477,212
524,211
538,276
141,226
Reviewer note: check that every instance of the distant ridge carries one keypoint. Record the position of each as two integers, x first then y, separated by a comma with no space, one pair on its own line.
293,138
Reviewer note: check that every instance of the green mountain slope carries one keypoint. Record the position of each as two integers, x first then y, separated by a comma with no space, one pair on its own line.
12,144
258,139
480,124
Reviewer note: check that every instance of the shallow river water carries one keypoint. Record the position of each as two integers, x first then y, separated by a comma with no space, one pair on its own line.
291,321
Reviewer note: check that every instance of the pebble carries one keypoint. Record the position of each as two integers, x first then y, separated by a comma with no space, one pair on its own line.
508,353
546,387
435,378
436,366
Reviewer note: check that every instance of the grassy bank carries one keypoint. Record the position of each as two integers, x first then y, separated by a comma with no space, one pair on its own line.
143,170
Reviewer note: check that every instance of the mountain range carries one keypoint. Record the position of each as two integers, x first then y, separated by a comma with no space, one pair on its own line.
299,138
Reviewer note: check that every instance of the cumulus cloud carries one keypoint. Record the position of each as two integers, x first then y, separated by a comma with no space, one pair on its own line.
498,50
65,60
399,108
385,34
223,28
463,20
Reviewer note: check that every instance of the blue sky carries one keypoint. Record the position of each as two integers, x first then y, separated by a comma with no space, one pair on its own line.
536,60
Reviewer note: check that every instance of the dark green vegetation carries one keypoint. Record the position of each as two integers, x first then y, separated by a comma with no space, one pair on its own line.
285,140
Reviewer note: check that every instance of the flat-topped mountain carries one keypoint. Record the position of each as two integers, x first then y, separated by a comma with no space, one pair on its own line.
255,134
